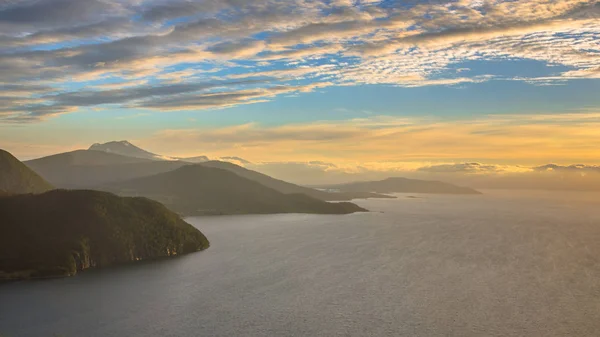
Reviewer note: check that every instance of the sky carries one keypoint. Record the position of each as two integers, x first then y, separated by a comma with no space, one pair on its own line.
330,90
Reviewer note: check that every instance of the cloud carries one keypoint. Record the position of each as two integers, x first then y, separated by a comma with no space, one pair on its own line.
107,28
322,164
55,12
311,173
332,31
236,160
281,73
593,72
22,89
238,49
301,52
466,174
389,143
176,9
461,168
136,93
150,96
577,168
478,175
223,99
68,44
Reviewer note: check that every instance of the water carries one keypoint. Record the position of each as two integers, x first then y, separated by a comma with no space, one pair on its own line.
500,264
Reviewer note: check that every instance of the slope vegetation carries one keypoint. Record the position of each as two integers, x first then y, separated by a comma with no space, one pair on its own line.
59,233
17,178
198,190
287,188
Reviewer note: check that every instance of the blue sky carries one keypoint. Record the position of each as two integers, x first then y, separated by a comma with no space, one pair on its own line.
278,81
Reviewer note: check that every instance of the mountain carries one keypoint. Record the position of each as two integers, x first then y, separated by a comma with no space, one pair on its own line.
17,178
90,168
125,148
195,160
235,160
201,190
403,185
288,188
60,233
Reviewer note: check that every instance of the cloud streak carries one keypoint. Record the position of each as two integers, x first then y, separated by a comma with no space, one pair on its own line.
382,140
66,44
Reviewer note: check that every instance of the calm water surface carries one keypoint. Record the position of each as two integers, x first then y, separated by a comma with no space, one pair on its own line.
500,264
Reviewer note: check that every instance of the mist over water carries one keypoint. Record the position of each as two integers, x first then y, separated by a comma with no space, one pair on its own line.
500,264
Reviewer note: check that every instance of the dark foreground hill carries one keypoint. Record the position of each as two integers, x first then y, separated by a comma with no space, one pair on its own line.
288,188
403,185
200,190
17,178
61,232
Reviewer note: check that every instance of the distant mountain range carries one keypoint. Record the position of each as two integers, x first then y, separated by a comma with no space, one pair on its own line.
287,188
93,169
89,169
213,188
57,233
17,178
125,148
201,190
401,185
210,187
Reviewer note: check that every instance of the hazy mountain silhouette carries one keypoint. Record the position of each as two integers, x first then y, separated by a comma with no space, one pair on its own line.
17,178
287,188
90,168
235,159
125,148
403,185
198,159
199,190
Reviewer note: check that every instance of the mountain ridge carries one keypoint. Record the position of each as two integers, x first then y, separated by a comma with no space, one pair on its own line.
288,188
17,178
199,190
125,148
89,168
60,233
92,168
403,185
